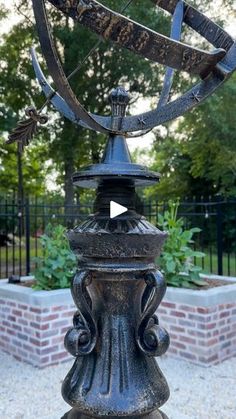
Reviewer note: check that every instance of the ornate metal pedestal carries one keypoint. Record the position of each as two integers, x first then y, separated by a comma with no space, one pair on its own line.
117,290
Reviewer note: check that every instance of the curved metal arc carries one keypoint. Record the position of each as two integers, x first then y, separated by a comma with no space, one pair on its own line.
186,102
57,101
140,39
170,111
200,23
176,30
149,119
56,69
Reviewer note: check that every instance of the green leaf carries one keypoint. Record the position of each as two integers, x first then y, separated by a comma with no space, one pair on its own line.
199,282
57,265
186,235
195,269
170,266
198,254
195,230
177,255
187,284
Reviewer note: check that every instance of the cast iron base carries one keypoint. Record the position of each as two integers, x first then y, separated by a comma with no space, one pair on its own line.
74,414
116,335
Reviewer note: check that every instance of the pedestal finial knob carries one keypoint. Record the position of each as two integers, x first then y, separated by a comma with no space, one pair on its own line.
119,99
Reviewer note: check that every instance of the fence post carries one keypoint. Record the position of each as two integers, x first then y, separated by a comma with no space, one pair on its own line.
27,235
219,237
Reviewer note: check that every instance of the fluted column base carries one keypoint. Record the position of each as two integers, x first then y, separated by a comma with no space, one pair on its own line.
116,335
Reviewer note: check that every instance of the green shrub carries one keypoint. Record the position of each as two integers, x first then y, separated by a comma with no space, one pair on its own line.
58,264
176,260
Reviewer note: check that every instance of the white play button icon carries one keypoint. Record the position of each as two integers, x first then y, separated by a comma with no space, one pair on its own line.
116,209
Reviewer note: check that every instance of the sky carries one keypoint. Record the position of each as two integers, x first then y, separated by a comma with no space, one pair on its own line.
231,27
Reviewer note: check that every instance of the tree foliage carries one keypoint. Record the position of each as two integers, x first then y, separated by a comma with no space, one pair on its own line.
34,170
198,156
70,147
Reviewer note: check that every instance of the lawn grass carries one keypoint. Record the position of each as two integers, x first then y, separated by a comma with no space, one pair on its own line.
11,257
16,252
210,264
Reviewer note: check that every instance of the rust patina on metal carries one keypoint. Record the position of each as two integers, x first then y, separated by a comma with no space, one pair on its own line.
117,288
70,106
139,39
65,101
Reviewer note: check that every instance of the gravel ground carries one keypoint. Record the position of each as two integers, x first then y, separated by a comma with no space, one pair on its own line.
196,392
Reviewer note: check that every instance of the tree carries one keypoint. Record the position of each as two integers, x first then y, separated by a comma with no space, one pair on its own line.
34,170
198,158
210,141
69,146
72,146
15,72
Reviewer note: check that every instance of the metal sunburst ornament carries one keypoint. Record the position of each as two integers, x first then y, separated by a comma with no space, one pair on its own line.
116,334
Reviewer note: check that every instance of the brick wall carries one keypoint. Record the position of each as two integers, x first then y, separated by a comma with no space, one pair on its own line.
203,335
201,324
35,335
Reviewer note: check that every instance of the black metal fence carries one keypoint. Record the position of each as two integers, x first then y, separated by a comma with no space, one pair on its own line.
217,239
21,226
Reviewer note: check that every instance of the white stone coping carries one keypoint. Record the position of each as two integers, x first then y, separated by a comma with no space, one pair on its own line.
201,298
34,298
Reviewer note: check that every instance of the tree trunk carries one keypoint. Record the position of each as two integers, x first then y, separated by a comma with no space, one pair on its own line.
69,191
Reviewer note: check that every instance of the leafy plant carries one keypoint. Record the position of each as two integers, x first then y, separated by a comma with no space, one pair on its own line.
176,260
58,264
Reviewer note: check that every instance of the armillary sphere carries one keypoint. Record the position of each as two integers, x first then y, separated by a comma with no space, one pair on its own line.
212,68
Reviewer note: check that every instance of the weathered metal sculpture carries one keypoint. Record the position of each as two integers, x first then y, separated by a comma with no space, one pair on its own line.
117,289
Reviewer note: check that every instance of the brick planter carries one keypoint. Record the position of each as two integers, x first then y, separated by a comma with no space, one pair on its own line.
33,323
202,324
